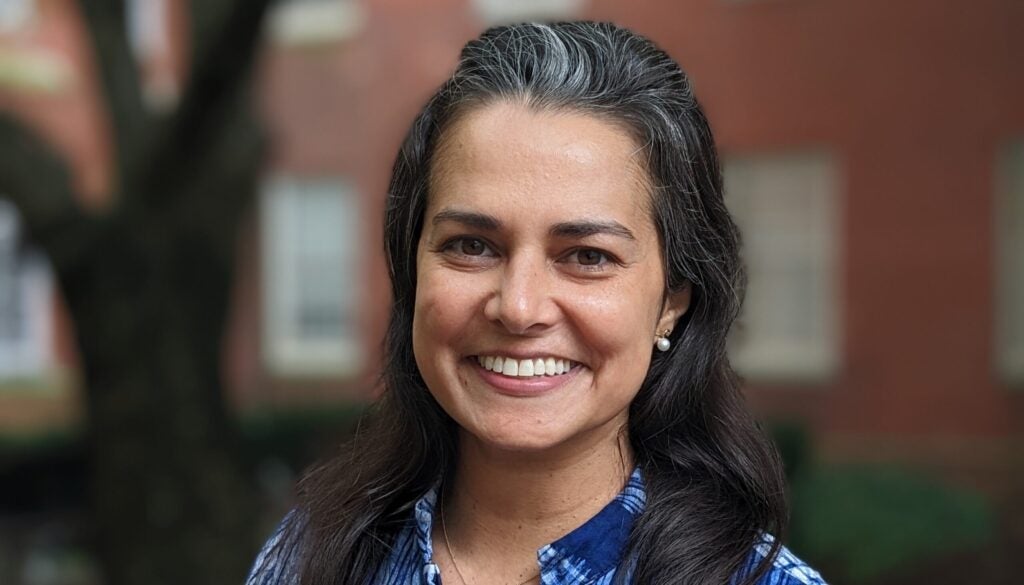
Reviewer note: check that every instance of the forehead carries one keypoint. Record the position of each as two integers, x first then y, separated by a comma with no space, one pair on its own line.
564,160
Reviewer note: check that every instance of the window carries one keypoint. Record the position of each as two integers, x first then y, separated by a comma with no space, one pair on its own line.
785,206
16,15
1010,264
311,277
506,11
147,28
313,22
26,303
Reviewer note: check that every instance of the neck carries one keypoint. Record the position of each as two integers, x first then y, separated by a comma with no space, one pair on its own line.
502,506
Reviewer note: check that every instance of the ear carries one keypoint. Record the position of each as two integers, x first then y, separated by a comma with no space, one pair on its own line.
675,306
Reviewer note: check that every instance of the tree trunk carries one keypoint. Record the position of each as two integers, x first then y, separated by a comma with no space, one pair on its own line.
147,283
170,500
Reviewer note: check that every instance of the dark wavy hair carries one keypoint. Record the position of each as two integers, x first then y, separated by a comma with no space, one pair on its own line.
714,482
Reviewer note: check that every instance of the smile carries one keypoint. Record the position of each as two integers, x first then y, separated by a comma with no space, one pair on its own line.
508,366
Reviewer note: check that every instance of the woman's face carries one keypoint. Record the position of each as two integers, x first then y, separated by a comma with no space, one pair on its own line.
538,252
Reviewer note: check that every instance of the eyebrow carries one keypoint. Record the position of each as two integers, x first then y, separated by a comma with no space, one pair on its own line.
587,228
480,221
566,229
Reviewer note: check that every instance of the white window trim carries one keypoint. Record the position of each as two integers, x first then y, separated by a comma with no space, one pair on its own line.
782,360
284,352
1009,232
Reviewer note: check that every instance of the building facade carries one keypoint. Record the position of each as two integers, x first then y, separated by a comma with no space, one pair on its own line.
873,155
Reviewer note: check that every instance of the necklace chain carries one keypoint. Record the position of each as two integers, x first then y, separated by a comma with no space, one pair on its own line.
451,553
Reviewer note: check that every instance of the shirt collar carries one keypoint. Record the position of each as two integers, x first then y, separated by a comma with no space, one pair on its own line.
584,554
424,514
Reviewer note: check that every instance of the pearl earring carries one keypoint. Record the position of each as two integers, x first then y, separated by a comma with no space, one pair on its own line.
662,342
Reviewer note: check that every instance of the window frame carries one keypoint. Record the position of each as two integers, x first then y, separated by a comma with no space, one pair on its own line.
21,18
30,358
285,353
805,361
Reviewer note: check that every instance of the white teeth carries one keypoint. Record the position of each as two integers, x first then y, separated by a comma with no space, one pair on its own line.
525,368
510,368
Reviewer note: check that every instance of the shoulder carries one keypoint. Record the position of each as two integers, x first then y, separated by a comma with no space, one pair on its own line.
278,561
786,569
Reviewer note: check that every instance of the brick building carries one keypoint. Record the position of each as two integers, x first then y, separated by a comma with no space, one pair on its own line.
874,156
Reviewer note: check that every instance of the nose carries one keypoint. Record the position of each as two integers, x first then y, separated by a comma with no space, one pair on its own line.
522,300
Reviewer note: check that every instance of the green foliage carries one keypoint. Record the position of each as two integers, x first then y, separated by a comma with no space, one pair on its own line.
794,447
15,447
298,436
867,521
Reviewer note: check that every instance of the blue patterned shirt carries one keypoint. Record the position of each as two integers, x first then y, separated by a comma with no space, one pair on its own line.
589,555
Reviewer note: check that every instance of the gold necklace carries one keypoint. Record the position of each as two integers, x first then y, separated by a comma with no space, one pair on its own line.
451,553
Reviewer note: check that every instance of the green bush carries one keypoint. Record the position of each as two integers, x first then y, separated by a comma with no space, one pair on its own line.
867,521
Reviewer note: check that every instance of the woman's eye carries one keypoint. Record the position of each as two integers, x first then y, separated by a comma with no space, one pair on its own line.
590,257
468,247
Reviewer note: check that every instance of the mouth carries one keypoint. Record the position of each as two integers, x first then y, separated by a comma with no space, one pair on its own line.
539,367
528,377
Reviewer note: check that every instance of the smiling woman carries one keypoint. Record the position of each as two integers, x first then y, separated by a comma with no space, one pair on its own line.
538,246
559,407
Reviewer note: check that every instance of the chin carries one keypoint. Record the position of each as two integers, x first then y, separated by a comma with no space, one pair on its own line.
516,439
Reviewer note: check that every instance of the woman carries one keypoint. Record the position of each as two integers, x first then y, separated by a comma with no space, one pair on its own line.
559,407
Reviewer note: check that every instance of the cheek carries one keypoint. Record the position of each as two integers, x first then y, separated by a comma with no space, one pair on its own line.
442,312
429,317
618,323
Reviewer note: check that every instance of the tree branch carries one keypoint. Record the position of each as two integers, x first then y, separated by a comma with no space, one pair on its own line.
226,45
216,98
119,76
36,180
238,161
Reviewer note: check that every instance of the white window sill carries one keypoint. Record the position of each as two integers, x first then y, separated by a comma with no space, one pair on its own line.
796,365
305,359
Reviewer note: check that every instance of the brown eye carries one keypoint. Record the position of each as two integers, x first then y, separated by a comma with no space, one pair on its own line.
468,247
590,257
473,247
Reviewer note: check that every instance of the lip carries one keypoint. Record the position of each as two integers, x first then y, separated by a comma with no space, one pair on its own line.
523,387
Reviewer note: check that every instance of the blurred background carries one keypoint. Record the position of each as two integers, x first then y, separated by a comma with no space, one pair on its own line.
192,288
